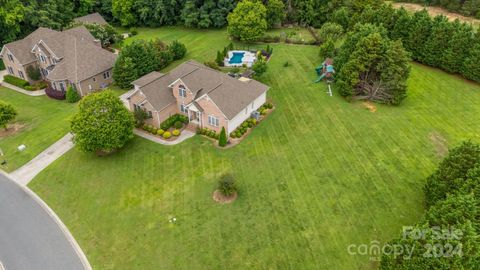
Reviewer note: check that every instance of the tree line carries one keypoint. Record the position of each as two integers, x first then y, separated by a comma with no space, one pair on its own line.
448,236
469,8
437,42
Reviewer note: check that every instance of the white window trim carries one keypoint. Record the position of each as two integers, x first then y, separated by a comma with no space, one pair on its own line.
20,73
213,121
183,108
182,92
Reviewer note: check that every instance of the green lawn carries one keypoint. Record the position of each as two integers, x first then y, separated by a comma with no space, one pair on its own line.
44,121
318,175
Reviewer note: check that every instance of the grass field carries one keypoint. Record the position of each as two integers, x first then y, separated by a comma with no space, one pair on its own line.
43,122
318,175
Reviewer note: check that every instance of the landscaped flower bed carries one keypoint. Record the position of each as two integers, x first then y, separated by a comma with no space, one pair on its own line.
169,129
250,123
24,84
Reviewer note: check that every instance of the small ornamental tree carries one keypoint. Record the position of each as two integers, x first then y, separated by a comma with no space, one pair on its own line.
222,141
102,124
327,49
72,96
227,185
7,114
248,21
105,33
260,66
34,73
330,31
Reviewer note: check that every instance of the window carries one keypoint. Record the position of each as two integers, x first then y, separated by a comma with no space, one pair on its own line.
10,57
94,79
136,107
43,58
183,109
62,87
10,70
150,114
181,91
89,87
213,121
21,74
106,74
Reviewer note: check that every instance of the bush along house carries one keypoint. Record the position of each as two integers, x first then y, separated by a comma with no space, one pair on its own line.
69,58
209,98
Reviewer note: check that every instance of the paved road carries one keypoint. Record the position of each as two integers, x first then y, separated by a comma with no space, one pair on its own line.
30,236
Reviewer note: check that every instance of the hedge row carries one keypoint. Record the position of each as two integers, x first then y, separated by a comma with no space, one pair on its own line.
170,122
15,81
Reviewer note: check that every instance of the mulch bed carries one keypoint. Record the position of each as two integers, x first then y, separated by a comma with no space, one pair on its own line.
220,198
11,129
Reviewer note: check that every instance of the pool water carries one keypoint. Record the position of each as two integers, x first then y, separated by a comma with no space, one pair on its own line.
236,58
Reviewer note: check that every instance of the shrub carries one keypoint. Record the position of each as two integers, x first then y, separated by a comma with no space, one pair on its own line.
260,66
176,132
222,140
2,65
160,132
72,96
15,81
133,31
227,185
177,49
154,131
170,122
167,135
178,125
34,73
286,64
330,31
140,116
7,114
212,64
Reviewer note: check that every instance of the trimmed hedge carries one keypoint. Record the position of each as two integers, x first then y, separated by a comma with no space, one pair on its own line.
54,93
15,81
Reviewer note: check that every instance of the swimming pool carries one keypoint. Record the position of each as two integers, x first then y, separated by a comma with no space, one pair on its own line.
236,58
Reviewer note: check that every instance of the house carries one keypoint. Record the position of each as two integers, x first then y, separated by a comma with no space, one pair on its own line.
94,18
71,57
210,98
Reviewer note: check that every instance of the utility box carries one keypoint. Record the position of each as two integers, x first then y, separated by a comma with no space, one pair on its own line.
255,115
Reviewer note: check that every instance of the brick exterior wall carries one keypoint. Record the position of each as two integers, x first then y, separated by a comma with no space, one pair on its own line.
210,108
15,66
96,82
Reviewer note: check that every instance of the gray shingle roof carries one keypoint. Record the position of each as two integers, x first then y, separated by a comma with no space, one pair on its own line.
91,19
22,48
150,77
229,94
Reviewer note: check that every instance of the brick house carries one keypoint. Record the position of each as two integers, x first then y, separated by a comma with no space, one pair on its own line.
209,98
71,57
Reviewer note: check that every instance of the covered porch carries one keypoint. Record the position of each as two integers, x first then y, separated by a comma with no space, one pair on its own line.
194,113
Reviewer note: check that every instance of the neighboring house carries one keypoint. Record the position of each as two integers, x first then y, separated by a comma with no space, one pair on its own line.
72,57
94,18
209,98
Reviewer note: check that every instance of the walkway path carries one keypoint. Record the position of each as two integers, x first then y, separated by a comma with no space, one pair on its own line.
27,172
185,135
32,237
35,93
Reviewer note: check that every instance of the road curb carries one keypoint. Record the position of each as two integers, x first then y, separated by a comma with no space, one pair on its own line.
57,220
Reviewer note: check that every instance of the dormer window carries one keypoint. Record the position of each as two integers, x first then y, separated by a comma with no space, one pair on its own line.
182,91
42,58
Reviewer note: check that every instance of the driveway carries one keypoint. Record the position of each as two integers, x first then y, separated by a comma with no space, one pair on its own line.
31,235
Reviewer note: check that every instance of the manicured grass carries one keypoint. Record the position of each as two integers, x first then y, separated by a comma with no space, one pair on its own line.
44,121
318,175
296,34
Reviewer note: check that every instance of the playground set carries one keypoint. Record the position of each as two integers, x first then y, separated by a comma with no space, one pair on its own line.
326,71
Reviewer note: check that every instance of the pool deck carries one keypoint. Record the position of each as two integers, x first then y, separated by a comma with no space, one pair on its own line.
247,59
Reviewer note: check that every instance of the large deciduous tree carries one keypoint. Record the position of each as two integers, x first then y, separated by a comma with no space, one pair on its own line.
275,12
102,123
248,21
372,67
11,15
123,11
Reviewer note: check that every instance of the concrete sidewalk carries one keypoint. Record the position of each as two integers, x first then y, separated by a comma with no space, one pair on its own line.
35,93
27,172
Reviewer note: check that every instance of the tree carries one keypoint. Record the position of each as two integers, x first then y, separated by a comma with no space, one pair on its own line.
420,28
275,12
457,51
105,33
7,114
33,73
327,49
438,41
248,21
139,58
177,49
222,140
372,67
260,66
341,16
330,31
227,185
451,174
123,11
401,28
11,15
102,123
471,68
71,96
